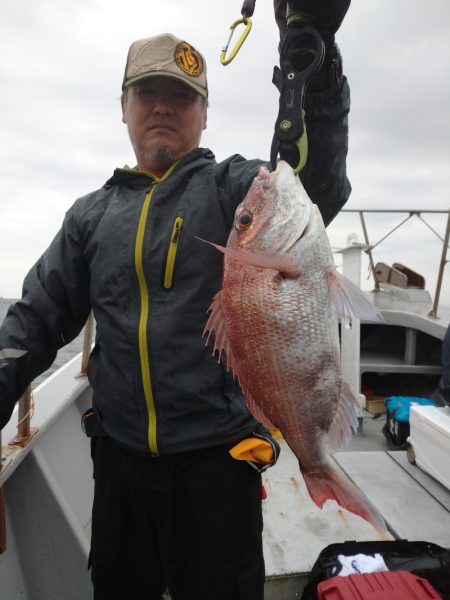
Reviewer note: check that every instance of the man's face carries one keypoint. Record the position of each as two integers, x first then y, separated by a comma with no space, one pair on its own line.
165,120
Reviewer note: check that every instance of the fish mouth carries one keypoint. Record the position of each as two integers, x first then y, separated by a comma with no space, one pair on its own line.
303,234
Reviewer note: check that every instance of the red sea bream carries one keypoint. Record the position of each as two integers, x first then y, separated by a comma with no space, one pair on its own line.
276,318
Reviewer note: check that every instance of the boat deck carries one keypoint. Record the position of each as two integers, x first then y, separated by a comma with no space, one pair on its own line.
414,505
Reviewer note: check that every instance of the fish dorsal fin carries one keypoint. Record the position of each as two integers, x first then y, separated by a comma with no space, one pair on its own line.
346,298
345,420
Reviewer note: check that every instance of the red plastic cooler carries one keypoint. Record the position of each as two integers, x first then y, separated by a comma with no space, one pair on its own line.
387,585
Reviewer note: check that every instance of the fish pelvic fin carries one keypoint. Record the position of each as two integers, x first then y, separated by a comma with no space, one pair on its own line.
345,420
346,298
255,410
329,484
286,264
216,325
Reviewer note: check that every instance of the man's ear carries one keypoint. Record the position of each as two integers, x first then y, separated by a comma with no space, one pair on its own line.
123,101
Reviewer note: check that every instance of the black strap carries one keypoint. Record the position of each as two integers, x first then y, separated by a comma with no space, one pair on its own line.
248,8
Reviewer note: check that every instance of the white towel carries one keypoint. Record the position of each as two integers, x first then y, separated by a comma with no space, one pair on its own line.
361,563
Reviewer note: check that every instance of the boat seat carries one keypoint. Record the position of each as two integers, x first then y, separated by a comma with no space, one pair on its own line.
398,275
414,279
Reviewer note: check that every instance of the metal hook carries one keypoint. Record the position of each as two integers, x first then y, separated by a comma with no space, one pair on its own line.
248,25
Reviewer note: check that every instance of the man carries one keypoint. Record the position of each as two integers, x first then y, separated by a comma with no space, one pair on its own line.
172,506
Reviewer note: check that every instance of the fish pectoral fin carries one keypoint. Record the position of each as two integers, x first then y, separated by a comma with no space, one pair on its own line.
216,325
345,419
346,298
286,264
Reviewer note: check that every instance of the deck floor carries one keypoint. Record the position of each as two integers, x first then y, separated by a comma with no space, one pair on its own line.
415,506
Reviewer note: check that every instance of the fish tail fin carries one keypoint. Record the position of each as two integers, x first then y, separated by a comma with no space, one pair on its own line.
330,484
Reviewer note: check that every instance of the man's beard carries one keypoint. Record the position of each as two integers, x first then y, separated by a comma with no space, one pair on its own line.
162,153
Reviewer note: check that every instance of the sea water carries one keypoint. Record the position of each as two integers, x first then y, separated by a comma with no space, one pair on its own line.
64,354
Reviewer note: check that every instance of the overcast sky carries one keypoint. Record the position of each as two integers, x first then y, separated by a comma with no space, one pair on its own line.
61,69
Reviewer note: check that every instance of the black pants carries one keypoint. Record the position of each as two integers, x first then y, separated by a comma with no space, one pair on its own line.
192,522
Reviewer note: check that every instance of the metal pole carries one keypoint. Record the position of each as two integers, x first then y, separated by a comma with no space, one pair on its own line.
2,522
433,312
369,251
24,416
2,509
350,327
87,343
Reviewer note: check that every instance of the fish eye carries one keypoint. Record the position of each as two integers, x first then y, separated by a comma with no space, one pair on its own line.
244,220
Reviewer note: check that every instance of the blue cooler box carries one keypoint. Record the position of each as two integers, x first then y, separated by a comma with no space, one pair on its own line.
396,428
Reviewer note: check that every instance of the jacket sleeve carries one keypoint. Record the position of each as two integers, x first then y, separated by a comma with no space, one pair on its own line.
327,104
53,309
325,173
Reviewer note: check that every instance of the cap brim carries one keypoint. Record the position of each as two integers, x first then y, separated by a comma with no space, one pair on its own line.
198,88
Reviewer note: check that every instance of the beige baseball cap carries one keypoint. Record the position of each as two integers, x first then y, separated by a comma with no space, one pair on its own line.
169,56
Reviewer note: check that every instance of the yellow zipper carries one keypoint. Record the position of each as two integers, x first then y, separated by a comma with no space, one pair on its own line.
144,314
172,253
143,320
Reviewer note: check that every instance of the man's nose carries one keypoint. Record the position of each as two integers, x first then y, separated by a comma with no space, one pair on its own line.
163,103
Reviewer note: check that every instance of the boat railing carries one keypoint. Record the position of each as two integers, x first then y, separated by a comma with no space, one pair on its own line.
26,405
2,509
87,344
370,245
24,415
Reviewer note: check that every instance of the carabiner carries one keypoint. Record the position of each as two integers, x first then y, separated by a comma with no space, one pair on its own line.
248,25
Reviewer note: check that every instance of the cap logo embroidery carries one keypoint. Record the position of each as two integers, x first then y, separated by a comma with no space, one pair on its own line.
188,59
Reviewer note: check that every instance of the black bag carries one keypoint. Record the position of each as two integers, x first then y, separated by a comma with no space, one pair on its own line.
427,560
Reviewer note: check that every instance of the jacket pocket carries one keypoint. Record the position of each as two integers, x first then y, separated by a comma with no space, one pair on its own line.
172,252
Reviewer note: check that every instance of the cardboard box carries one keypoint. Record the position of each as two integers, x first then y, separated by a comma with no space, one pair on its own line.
430,438
375,405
